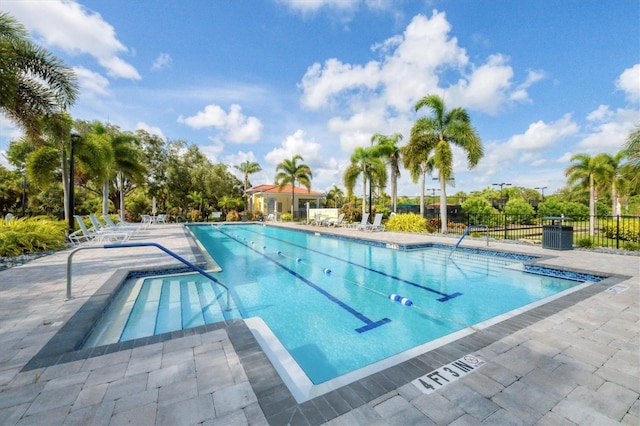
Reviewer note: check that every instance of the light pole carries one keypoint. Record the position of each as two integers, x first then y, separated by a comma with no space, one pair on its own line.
541,188
71,197
24,188
433,193
501,185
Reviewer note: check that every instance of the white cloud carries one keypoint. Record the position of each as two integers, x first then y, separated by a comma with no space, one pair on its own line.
152,130
92,83
527,148
629,82
308,6
235,126
78,31
541,135
212,151
163,61
610,134
602,113
370,97
486,89
294,144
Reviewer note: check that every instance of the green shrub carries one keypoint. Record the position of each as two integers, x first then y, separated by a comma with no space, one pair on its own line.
630,246
433,225
480,212
584,243
233,216
520,212
194,216
575,211
286,217
629,231
406,222
30,235
351,214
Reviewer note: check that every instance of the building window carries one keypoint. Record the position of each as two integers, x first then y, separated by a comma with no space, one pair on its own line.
279,207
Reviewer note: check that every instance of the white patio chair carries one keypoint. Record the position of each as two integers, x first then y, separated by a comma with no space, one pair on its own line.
363,223
376,225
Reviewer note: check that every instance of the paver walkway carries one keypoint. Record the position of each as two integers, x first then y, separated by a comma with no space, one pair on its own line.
577,362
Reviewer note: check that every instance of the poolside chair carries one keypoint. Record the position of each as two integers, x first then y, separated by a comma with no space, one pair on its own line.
130,227
147,219
85,234
377,224
161,218
142,224
363,223
336,222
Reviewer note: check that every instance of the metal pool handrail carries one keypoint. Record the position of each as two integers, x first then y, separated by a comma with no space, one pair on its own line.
464,234
164,249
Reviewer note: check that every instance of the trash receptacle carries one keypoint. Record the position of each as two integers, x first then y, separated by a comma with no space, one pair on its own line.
555,234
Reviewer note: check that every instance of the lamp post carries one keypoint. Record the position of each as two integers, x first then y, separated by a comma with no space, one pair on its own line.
71,195
501,185
433,193
541,188
24,188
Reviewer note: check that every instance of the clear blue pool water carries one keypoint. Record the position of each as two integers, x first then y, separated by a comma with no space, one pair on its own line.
327,299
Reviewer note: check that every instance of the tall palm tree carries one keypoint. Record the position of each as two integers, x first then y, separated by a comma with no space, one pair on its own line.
290,172
419,163
587,171
50,153
613,175
365,162
632,145
248,168
33,82
437,133
335,196
387,148
632,168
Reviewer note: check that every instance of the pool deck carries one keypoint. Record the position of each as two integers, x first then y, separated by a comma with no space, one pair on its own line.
575,360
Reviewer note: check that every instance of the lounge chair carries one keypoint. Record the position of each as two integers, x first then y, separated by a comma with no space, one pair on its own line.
336,222
142,224
147,219
129,227
316,220
161,218
86,235
376,225
363,223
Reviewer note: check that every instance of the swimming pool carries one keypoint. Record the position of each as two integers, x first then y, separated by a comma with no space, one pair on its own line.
330,302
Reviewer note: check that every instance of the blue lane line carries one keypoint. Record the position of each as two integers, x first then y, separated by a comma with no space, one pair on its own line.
369,324
445,297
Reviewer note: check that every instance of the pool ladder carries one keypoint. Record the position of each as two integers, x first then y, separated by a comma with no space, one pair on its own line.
464,234
164,249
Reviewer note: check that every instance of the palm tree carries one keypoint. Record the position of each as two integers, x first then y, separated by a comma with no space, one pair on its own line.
387,148
632,145
248,168
632,168
365,162
437,134
587,171
290,172
33,82
334,196
50,151
613,174
419,164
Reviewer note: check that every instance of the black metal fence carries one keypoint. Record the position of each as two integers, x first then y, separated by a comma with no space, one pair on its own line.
619,232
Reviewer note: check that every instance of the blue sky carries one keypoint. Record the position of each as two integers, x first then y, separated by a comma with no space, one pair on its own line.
264,80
